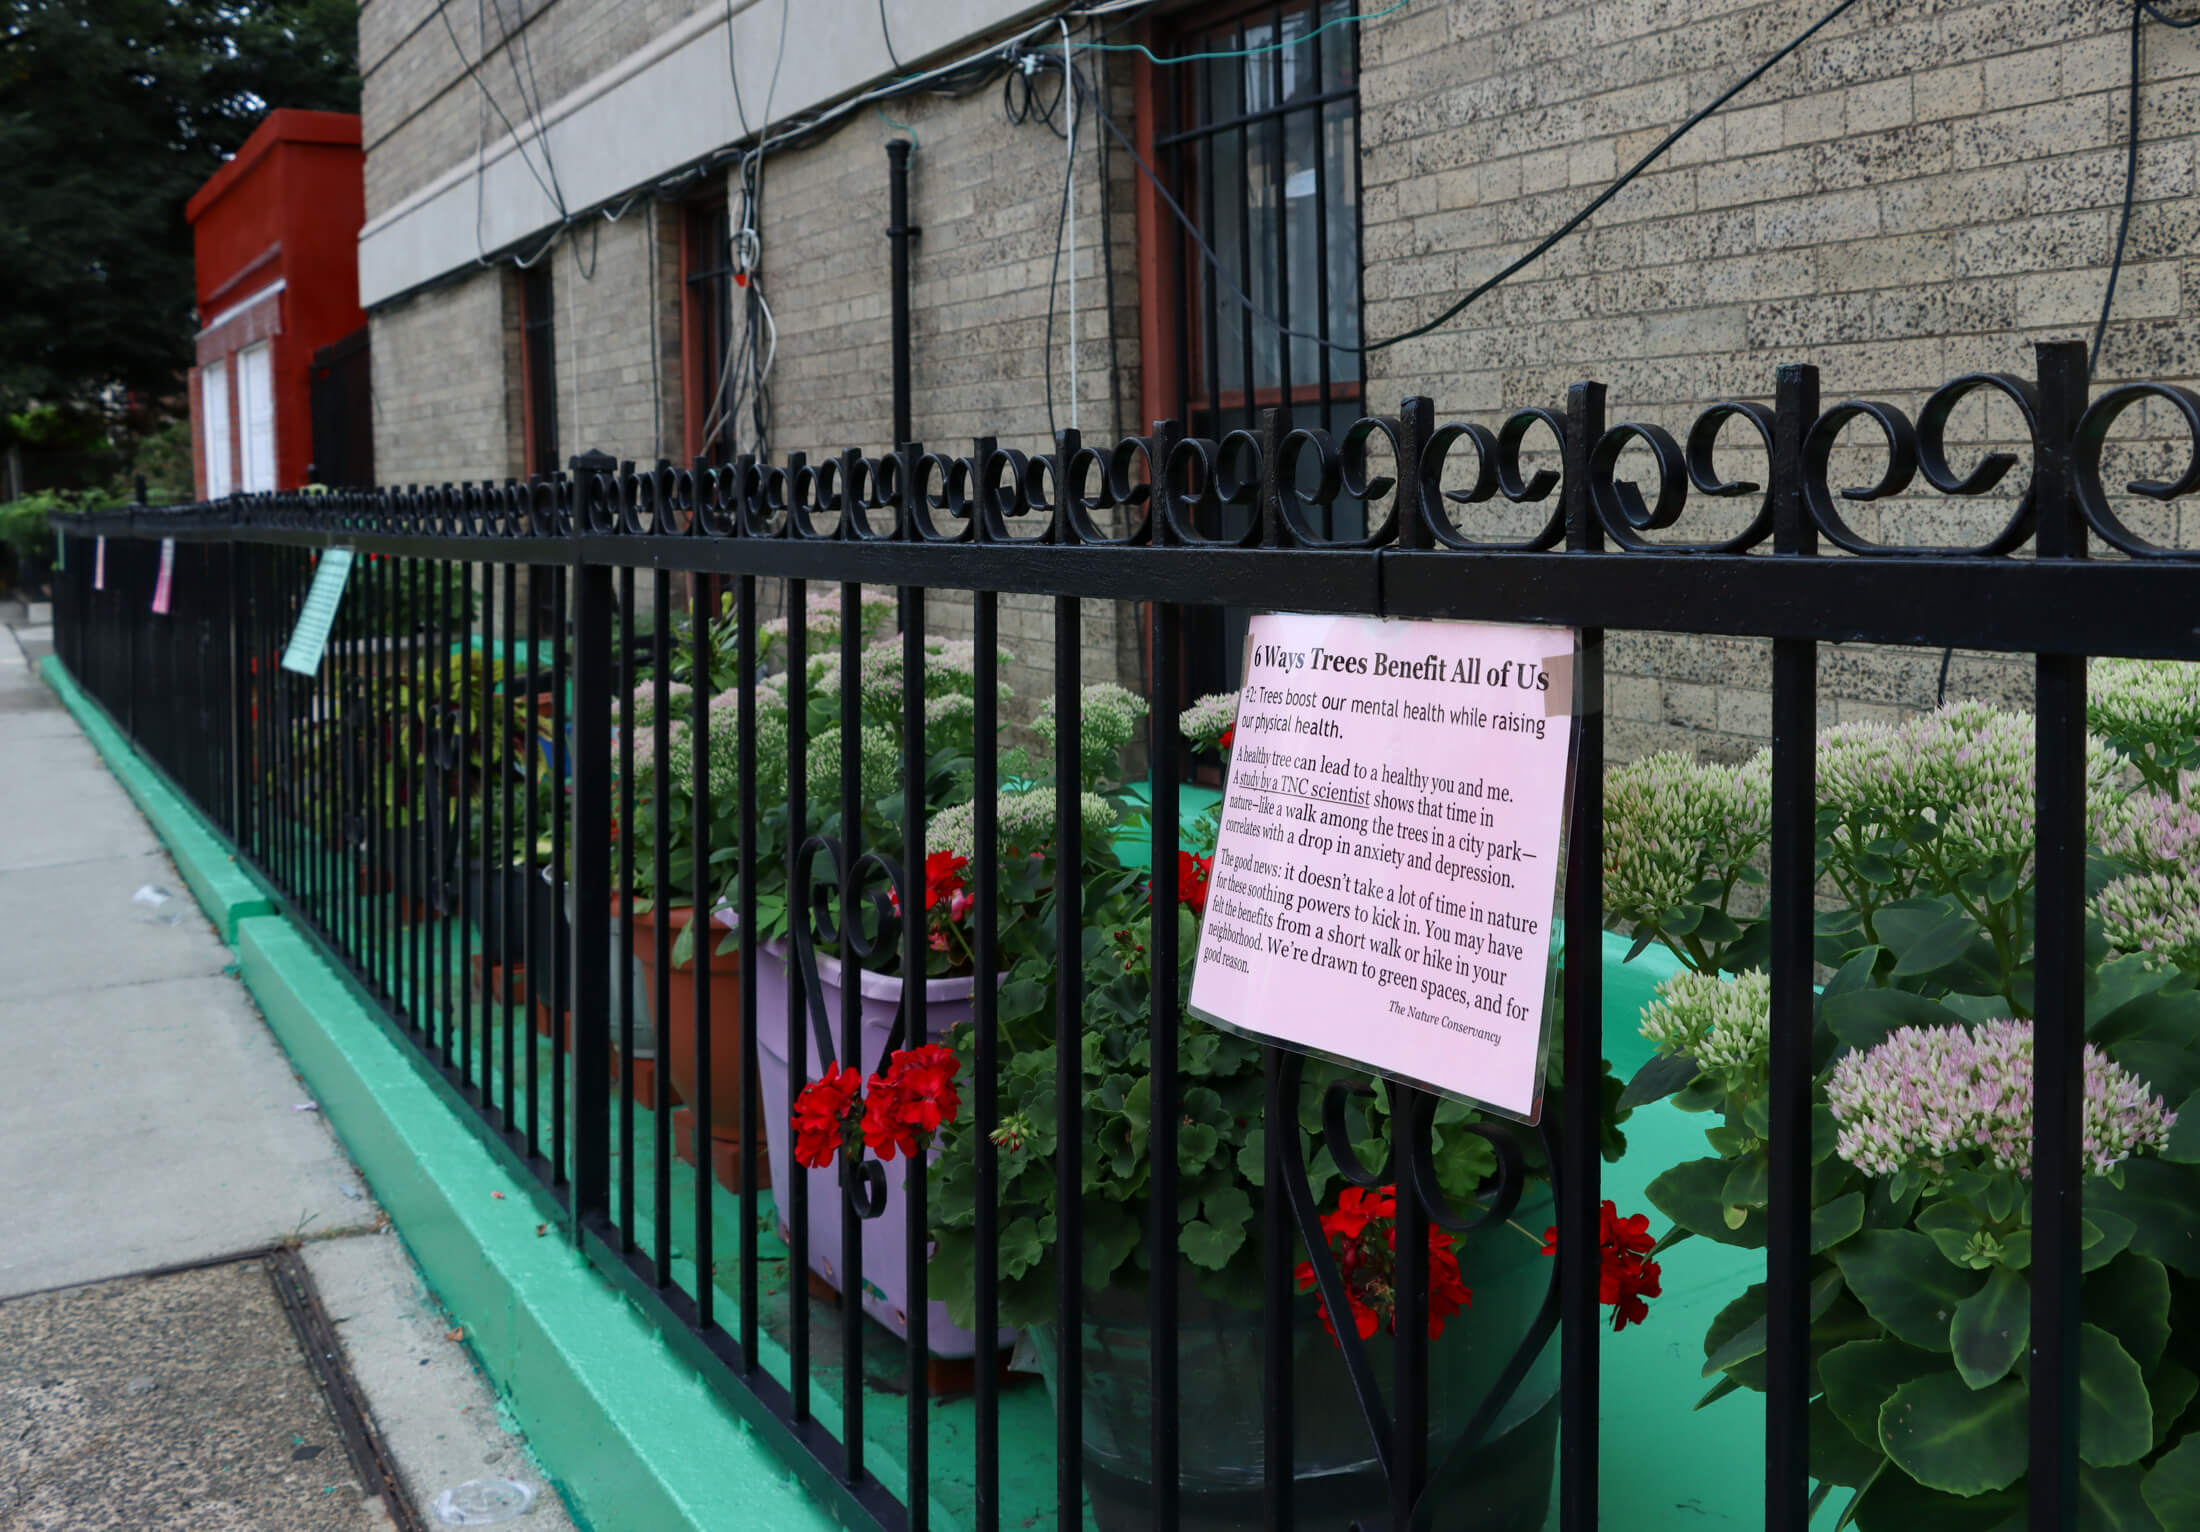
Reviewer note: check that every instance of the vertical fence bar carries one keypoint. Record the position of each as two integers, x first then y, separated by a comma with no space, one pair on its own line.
1794,846
1163,958
914,940
539,962
851,1006
589,750
491,871
374,857
706,1287
1409,1134
623,895
516,982
1069,987
447,760
1278,1411
797,1195
1580,1134
237,565
561,851
985,625
751,1126
660,896
414,797
2058,1063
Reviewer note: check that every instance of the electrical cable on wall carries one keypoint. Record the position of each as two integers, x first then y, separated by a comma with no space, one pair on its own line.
1481,289
2140,11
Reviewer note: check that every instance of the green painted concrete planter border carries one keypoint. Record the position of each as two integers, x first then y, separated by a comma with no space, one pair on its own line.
630,1432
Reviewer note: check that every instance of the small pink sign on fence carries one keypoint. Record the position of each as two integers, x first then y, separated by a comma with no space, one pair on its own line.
162,585
1388,860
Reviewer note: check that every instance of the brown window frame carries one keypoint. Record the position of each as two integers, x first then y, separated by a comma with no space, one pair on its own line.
1178,380
706,317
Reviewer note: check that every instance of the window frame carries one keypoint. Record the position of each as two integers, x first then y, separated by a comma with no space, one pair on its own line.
1170,334
706,316
216,421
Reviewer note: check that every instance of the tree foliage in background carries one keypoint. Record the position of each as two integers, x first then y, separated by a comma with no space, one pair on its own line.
112,113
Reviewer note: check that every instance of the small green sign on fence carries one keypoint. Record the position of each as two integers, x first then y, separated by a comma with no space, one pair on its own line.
310,638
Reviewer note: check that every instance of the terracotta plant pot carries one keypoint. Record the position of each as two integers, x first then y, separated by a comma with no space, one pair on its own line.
676,1033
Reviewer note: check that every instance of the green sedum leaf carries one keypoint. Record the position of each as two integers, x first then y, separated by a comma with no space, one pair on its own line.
2170,1391
2184,1139
1863,1018
2172,1486
1949,1436
1859,1377
1901,1280
1749,1339
2158,1198
2115,1419
1836,1221
2113,1500
1991,1328
2129,1298
1690,1195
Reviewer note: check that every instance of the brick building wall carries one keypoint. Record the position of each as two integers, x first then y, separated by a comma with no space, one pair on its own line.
988,196
616,292
421,115
445,367
1921,191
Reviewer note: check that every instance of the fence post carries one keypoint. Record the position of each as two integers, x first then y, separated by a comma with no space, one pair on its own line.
590,748
240,687
1794,845
1580,1135
2058,1090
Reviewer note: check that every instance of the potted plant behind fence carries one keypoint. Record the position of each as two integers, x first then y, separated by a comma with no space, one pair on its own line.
1499,1271
1920,1276
721,959
949,977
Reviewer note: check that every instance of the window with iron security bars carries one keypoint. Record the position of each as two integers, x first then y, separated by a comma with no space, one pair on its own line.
1238,1269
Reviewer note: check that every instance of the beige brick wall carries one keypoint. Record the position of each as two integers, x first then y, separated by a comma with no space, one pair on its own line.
1923,190
445,365
987,196
618,371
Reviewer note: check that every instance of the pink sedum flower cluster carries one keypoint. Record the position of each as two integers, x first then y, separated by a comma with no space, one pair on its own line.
1928,1098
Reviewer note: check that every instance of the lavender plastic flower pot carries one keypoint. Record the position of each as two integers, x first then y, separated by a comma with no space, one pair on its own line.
885,1238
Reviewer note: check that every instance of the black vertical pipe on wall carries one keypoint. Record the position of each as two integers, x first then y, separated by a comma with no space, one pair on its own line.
899,232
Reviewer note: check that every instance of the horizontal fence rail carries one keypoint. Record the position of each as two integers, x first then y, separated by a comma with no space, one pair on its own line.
497,802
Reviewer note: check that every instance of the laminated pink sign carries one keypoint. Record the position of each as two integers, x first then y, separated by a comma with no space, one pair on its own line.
166,581
1388,859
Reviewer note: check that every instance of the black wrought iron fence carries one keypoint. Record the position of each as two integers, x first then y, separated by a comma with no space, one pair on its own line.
505,818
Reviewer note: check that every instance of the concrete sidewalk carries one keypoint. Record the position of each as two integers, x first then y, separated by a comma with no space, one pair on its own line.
148,1120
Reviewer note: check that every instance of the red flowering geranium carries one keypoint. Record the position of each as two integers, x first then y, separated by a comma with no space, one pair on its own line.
1363,1236
827,1116
1627,1275
1228,735
1192,873
946,897
913,1100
